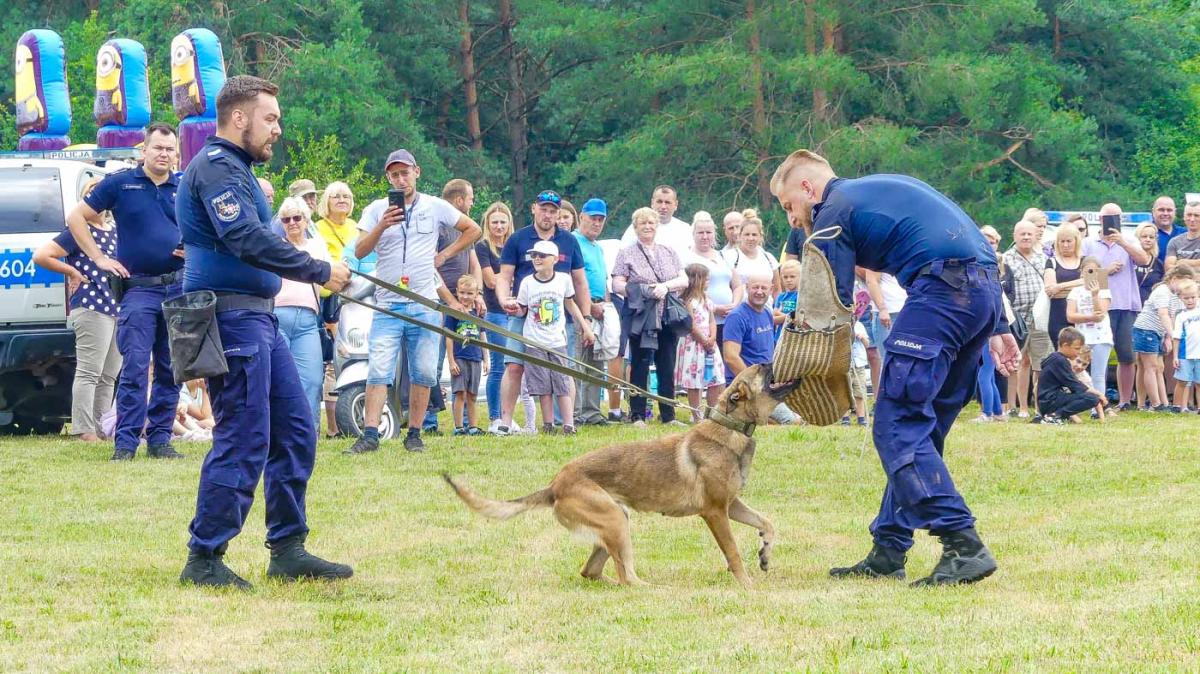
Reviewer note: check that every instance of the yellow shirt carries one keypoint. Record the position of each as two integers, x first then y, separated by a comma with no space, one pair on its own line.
337,236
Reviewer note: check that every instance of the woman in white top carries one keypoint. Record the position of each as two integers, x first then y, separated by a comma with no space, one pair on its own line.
1087,310
297,308
749,258
725,288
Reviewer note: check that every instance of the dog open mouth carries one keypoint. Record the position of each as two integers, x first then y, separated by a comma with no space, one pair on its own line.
778,389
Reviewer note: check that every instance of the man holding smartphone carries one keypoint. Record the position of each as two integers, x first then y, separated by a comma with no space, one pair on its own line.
403,230
1118,255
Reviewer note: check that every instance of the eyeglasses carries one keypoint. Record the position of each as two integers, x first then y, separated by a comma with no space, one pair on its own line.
538,256
291,218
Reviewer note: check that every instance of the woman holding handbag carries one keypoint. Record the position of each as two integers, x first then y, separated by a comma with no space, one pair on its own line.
645,273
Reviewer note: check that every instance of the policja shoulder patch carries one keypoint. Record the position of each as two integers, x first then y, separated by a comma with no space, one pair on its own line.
226,206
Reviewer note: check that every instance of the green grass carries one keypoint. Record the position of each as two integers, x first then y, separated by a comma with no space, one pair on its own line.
1094,529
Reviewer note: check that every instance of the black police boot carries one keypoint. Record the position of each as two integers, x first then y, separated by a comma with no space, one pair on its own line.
290,561
965,559
208,569
163,451
881,562
122,455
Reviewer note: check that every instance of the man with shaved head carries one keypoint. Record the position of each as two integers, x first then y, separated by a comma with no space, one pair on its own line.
749,336
1118,254
901,226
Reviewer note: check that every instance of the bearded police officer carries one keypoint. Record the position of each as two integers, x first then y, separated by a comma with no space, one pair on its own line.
142,201
263,419
901,226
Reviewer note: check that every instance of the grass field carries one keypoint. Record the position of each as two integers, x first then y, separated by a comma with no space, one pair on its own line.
1095,530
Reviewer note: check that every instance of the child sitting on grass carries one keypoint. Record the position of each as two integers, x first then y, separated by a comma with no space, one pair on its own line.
1060,393
1082,367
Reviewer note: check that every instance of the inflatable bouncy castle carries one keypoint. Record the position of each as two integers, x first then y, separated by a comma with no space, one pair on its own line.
122,108
43,104
197,75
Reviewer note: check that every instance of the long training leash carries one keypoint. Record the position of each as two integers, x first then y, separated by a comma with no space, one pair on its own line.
578,370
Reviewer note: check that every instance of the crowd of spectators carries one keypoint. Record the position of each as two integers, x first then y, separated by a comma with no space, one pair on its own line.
1076,296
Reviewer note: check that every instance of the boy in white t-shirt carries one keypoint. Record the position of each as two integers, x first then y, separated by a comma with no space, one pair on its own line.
1087,309
1187,348
860,373
544,297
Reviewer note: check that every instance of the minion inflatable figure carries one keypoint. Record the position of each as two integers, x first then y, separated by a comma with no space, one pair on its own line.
122,106
43,104
197,75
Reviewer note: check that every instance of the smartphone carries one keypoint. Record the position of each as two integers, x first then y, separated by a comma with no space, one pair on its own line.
396,200
1110,224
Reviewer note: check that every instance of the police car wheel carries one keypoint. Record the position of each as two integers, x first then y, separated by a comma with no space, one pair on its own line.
351,408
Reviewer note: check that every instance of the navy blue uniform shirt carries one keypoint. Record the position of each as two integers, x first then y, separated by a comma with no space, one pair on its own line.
893,224
145,215
516,252
225,219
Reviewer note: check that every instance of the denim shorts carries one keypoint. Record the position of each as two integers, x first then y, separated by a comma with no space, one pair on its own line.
1189,371
388,334
1147,341
515,324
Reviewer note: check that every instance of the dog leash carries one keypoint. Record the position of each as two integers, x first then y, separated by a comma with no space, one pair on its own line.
583,372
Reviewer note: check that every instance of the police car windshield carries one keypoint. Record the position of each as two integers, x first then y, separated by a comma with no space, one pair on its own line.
30,200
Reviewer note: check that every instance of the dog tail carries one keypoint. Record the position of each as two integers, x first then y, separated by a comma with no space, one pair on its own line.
500,510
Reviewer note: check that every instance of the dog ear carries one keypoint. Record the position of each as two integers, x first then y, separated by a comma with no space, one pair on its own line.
740,392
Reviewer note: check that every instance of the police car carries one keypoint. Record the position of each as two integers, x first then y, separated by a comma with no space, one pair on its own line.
37,348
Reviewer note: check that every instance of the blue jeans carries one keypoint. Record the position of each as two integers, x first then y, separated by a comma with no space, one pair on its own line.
420,344
989,393
879,334
496,364
298,326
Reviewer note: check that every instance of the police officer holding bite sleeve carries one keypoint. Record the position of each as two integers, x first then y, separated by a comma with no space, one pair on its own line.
264,425
901,226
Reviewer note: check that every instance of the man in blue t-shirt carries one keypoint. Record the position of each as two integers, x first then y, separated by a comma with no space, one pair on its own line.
749,337
515,265
148,258
601,355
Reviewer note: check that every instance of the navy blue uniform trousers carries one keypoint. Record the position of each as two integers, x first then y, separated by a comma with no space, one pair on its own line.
933,356
142,335
264,427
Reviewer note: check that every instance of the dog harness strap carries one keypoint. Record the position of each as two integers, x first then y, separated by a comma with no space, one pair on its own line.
746,428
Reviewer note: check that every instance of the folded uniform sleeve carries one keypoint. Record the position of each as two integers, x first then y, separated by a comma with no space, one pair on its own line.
233,210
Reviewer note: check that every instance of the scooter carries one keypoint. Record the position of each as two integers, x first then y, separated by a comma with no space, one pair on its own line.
350,365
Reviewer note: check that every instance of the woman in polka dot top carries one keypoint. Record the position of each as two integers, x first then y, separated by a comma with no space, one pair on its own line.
93,318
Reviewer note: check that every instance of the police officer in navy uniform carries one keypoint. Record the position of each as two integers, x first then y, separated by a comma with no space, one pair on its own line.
901,226
264,423
142,201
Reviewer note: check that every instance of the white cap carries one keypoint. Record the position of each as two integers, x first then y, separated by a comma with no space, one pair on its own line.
545,248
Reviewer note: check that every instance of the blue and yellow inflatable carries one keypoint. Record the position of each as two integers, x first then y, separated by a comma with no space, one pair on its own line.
43,102
122,108
197,75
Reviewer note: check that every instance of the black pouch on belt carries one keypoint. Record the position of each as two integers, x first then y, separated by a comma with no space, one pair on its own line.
196,349
116,283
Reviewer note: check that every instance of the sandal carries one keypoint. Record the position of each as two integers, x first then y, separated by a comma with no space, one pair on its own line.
474,430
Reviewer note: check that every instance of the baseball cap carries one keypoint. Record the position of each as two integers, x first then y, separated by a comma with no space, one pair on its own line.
302,187
595,207
548,197
545,248
400,157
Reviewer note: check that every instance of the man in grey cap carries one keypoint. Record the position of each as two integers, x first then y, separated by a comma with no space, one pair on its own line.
306,190
406,241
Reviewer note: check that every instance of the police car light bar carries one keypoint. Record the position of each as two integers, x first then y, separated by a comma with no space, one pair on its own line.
1093,217
98,154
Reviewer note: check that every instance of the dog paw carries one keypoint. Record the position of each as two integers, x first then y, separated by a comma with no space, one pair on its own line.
764,558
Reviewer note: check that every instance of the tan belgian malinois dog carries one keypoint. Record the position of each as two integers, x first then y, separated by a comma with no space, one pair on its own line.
699,472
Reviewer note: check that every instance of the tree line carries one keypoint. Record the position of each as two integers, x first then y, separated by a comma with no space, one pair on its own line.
1002,104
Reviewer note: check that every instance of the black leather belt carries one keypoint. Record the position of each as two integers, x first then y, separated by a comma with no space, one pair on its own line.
957,268
243,302
153,281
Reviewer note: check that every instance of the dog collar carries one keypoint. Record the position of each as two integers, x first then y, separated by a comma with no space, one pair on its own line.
746,428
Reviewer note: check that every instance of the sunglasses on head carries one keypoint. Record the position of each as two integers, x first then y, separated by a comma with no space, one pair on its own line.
549,197
291,218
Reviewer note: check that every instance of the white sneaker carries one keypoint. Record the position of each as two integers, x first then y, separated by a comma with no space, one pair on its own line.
493,426
501,431
639,424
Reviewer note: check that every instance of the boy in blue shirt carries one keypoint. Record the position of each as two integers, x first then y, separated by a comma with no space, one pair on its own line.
785,304
466,360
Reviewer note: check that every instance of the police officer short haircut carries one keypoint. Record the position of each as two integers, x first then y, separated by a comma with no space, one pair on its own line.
160,127
455,189
241,89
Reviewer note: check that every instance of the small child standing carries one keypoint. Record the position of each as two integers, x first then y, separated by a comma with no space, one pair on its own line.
1152,332
1087,309
466,360
543,296
860,373
785,304
1060,393
696,369
1187,348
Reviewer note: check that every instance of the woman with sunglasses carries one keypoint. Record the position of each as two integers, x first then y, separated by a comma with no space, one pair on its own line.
297,305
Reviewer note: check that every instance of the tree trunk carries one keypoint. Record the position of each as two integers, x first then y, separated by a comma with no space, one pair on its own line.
820,100
514,107
467,49
759,123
